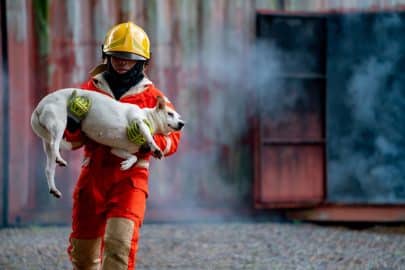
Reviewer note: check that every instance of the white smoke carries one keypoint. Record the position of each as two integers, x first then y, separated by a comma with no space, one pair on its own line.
235,84
366,162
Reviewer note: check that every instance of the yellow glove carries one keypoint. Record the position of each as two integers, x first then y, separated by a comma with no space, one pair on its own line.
78,106
134,134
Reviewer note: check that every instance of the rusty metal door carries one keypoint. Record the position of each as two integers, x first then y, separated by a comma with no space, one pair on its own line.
290,129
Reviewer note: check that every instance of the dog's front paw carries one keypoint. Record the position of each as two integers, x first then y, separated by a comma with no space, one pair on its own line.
157,153
55,192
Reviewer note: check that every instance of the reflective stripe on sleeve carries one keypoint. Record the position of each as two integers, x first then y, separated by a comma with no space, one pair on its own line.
168,145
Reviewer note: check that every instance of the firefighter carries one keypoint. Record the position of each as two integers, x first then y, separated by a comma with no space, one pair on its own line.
109,203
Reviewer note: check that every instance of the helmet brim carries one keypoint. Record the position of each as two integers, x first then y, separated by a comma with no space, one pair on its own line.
126,55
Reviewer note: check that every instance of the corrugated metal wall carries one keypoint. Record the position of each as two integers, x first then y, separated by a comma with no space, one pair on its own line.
4,133
20,56
199,51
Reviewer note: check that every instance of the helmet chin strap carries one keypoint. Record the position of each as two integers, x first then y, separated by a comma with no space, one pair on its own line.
120,83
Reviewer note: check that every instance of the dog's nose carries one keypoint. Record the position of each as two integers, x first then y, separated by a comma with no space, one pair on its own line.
181,125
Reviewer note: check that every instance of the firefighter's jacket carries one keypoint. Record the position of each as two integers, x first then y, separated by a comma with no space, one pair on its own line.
99,164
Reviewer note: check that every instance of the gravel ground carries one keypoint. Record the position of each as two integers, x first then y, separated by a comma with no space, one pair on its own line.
224,246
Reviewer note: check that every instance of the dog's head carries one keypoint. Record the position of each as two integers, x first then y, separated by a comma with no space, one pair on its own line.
169,119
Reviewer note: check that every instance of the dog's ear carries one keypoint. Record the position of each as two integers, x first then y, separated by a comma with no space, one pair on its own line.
161,103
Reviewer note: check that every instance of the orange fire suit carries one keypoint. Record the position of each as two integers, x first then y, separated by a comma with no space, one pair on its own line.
109,203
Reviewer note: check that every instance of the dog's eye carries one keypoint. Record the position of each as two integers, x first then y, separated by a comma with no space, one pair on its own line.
170,114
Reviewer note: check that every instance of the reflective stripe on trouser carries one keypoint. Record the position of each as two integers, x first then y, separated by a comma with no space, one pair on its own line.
85,253
120,244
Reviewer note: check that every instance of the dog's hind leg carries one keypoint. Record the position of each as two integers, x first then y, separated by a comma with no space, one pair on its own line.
54,126
59,160
50,169
129,159
57,133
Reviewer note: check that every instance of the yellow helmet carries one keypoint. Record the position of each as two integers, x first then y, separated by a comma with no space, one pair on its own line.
127,40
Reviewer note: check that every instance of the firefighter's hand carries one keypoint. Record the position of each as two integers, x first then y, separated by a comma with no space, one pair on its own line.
144,149
72,125
78,107
134,133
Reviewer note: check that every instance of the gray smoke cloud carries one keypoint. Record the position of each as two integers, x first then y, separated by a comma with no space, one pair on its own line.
365,158
366,161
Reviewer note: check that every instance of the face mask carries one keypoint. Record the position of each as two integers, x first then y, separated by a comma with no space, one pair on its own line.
120,83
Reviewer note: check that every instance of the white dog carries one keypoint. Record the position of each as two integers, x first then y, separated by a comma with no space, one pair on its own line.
105,123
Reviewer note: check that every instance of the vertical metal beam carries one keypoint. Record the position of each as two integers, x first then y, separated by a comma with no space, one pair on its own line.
5,112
